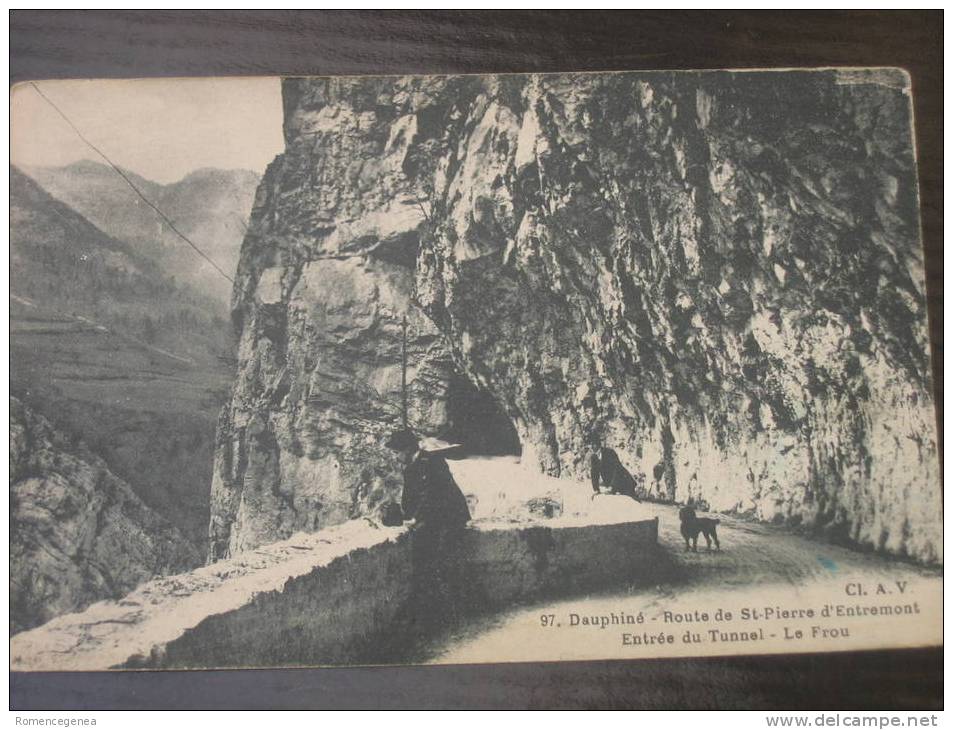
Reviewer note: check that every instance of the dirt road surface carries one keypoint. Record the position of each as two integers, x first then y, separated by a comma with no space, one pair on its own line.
782,579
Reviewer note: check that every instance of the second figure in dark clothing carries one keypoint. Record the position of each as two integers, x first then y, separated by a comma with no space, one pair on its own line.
608,470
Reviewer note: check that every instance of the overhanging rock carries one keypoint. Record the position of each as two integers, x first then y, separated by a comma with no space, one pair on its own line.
719,280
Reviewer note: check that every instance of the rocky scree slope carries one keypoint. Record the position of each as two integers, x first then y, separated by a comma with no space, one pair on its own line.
78,533
718,275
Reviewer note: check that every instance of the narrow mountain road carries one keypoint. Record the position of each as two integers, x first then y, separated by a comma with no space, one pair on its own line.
757,553
783,580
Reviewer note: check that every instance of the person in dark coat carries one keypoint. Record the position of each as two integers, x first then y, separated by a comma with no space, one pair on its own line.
608,470
594,469
432,498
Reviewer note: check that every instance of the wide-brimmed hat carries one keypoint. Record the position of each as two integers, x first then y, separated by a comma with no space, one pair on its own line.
406,440
432,445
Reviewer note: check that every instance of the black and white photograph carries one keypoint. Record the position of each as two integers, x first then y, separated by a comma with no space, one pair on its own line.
453,369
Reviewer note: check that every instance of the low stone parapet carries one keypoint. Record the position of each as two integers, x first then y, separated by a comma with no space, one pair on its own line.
505,565
332,597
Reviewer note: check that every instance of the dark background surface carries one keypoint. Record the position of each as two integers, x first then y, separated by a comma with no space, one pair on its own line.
127,44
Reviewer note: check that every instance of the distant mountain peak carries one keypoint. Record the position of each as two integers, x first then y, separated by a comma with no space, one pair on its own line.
88,166
81,165
209,205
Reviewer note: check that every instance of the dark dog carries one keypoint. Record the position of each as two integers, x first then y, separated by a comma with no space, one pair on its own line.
692,525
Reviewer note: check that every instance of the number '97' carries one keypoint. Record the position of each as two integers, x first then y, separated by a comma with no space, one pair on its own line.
547,619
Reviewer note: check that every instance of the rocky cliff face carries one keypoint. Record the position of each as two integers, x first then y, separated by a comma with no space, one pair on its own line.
718,275
78,533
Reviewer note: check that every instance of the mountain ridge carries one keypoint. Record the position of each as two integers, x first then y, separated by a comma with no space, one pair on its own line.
209,205
126,364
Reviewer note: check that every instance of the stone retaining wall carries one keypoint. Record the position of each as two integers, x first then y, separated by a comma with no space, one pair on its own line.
506,565
341,595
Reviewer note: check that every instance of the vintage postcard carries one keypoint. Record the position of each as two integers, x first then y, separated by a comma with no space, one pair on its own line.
454,369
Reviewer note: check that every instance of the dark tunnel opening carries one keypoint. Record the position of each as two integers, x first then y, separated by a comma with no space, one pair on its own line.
478,423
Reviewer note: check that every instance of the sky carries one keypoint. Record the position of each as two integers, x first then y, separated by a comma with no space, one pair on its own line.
161,129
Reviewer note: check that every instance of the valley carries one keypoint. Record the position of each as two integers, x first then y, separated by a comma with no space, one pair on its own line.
128,365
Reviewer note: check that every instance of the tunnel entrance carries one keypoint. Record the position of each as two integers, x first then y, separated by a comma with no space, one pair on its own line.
478,423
